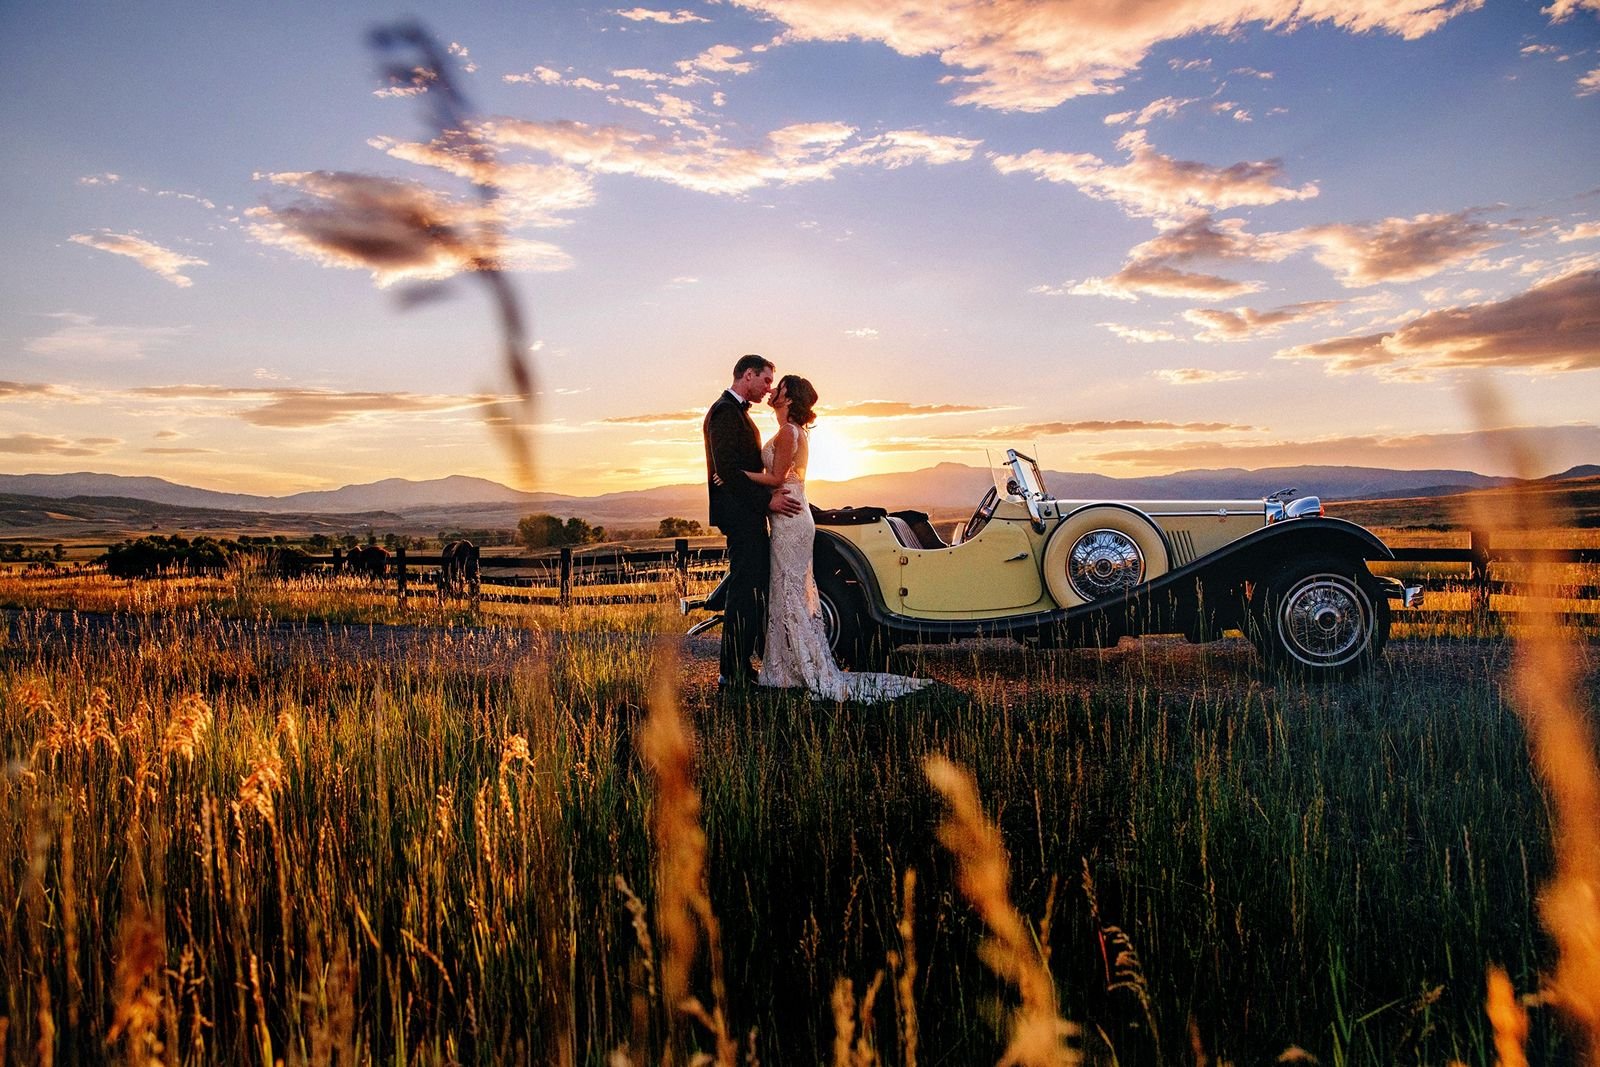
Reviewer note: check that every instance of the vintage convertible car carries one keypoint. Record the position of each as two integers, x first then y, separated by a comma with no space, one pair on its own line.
1089,572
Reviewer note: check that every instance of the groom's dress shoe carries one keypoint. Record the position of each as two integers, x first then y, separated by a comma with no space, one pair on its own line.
745,681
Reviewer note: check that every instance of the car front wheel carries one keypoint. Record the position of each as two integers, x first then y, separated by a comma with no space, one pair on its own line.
1325,617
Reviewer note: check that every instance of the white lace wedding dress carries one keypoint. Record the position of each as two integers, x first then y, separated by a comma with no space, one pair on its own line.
797,654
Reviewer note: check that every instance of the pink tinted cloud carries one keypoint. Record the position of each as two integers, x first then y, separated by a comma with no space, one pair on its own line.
33,444
1021,55
1240,323
1560,446
709,163
1152,268
1153,184
296,408
149,255
1198,376
1554,326
1397,249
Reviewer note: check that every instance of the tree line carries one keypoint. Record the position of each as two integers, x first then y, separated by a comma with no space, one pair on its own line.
154,555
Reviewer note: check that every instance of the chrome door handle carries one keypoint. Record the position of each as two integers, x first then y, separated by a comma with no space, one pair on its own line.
1018,557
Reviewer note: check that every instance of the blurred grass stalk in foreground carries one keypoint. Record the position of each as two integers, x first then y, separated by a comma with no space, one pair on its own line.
1547,685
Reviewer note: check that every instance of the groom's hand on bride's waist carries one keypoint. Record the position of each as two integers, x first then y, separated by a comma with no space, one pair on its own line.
784,504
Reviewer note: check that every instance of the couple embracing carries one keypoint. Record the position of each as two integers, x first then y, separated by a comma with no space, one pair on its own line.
758,500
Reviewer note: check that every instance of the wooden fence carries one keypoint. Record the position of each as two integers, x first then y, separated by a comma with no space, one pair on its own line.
556,577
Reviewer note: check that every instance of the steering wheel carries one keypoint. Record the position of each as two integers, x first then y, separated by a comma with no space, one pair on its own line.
981,517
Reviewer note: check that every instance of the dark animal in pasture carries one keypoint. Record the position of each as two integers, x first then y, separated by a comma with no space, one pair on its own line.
367,561
458,569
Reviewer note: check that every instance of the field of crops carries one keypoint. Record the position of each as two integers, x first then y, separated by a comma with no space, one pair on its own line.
251,821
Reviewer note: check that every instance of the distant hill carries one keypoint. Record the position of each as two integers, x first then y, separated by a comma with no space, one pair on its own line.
403,504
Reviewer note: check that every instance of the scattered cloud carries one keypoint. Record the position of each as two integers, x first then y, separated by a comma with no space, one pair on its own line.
463,57
863,333
1589,84
1238,324
1396,249
547,76
529,194
1151,271
100,179
1165,108
399,231
697,70
660,418
1558,446
1199,376
1138,335
1016,55
859,409
1554,326
708,163
296,408
1583,231
161,450
149,255
1561,10
81,337
1152,184
666,18
895,409
1093,426
34,444
12,392
1155,279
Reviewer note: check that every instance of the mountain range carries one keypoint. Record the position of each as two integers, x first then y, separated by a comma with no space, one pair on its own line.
460,501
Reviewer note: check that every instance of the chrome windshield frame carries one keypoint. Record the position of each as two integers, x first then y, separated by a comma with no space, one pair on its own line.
1030,481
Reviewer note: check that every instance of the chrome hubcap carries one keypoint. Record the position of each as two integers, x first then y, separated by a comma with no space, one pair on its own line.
1104,562
1325,620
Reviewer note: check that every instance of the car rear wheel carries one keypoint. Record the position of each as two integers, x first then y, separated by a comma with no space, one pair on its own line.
1326,617
857,642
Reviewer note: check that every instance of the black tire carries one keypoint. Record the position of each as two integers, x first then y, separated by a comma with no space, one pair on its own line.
857,642
1324,618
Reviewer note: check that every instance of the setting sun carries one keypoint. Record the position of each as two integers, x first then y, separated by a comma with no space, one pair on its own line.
834,456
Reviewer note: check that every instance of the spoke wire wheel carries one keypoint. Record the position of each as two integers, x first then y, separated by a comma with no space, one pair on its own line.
1102,552
1103,562
1325,620
830,620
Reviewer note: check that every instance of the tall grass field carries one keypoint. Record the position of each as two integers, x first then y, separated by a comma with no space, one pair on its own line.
256,822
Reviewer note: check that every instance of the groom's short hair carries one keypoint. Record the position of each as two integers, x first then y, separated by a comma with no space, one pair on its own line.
752,362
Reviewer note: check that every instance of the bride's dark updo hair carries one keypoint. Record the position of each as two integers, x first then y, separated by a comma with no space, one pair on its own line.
802,397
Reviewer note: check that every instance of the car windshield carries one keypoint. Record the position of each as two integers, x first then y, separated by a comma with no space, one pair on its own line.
1017,477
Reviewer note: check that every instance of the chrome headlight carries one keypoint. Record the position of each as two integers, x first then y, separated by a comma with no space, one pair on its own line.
1302,506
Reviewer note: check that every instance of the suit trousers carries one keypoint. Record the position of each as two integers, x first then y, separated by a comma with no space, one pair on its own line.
749,564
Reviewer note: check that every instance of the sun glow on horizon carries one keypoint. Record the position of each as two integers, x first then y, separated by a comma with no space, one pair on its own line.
834,456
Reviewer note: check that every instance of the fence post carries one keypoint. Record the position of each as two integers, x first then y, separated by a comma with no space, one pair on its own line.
680,564
400,573
477,579
1479,578
566,575
338,560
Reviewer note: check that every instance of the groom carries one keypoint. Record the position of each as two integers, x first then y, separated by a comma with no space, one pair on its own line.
739,508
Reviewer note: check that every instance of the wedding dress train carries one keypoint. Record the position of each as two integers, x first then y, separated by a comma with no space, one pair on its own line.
797,653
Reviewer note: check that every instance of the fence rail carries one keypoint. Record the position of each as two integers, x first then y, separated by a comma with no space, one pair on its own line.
557,575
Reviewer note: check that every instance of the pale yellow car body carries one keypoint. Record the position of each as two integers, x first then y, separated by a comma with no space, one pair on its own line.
999,573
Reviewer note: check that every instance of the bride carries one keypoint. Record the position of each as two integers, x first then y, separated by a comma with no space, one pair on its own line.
797,654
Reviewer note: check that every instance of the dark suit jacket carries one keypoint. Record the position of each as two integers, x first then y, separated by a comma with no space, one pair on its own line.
733,445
